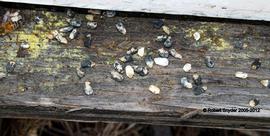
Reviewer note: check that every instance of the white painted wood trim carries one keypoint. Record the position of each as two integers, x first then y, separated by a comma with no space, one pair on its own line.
236,9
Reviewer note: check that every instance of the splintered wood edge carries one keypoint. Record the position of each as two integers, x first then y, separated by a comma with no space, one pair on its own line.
235,9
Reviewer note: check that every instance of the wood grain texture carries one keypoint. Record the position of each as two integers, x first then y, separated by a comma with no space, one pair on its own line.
237,9
45,84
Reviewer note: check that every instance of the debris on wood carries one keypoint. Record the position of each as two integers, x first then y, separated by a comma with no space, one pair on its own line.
158,23
245,45
73,34
209,62
89,17
175,54
126,58
38,20
88,41
198,90
70,13
116,76
204,87
253,102
265,83
199,87
121,28
142,71
87,63
91,25
165,40
149,61
141,51
185,83
50,36
129,71
88,89
168,42
80,73
11,22
2,75
66,29
256,64
197,79
240,74
161,38
10,66
15,16
240,45
25,45
6,16
133,50
163,53
154,89
109,13
75,23
161,61
59,37
166,29
118,67
196,36
187,67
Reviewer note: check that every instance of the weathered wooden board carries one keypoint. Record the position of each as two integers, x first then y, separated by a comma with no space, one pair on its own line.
236,9
45,84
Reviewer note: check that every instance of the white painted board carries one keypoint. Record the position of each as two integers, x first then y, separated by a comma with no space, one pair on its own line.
236,9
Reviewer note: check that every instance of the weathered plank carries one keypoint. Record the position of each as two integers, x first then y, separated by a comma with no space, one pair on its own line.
237,9
45,84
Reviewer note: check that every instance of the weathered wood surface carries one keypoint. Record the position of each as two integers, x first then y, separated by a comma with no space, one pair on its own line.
45,84
237,9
